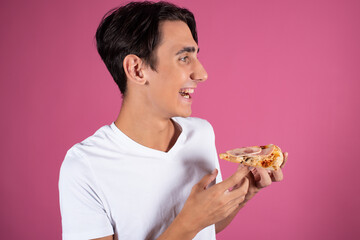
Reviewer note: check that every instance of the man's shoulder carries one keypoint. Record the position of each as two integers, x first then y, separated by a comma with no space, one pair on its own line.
77,157
100,139
100,135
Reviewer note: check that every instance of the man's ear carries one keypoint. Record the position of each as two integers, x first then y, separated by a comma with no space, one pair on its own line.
134,67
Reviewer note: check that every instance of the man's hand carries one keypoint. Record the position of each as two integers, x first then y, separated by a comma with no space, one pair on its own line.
260,178
208,205
219,203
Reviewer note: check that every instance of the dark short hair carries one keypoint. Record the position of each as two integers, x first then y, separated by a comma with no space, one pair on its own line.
134,29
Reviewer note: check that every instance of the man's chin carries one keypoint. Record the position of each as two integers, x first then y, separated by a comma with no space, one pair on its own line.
184,114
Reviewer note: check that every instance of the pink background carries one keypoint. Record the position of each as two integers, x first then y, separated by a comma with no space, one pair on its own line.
281,71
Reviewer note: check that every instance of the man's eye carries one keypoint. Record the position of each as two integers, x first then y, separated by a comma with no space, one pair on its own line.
184,59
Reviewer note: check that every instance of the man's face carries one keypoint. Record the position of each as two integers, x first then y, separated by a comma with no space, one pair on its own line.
178,71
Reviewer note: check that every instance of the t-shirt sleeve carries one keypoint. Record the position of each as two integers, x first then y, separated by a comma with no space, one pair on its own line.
82,212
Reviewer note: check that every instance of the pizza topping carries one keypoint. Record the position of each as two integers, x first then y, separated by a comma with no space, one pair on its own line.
245,151
266,150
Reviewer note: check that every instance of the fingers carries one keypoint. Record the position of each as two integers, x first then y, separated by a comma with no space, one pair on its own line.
237,196
240,192
262,178
251,178
235,178
255,174
277,176
285,159
207,179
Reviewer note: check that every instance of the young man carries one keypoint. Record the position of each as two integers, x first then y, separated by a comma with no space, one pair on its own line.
153,173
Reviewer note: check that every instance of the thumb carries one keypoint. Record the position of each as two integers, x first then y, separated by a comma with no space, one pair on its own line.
207,179
235,178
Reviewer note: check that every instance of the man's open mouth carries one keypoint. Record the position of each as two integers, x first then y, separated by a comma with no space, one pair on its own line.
185,92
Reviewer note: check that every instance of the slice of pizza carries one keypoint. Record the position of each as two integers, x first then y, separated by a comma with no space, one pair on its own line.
269,156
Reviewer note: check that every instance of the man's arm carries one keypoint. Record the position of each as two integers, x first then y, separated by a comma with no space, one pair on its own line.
216,204
207,205
219,226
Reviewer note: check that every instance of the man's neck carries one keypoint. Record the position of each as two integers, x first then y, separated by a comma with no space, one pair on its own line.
147,129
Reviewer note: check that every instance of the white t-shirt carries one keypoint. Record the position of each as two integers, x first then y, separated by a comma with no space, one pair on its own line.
110,184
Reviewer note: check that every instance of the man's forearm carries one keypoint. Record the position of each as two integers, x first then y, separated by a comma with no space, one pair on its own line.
178,230
219,226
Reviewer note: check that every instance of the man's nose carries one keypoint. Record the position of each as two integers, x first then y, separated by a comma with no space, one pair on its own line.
199,73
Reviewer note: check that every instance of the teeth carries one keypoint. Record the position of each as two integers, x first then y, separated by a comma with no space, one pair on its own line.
187,90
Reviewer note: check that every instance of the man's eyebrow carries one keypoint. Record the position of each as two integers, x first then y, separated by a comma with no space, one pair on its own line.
187,49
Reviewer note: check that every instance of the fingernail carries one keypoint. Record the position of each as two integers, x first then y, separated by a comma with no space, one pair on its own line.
251,168
243,166
213,172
